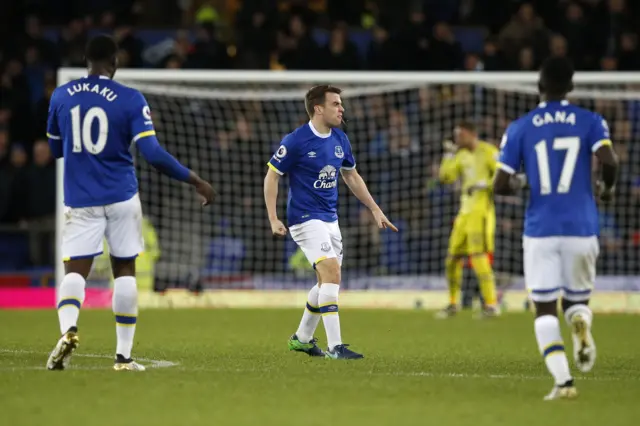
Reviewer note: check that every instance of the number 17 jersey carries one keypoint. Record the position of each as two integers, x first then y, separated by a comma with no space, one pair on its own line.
96,120
554,144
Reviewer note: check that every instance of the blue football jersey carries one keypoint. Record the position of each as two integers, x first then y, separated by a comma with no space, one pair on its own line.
554,144
96,120
313,162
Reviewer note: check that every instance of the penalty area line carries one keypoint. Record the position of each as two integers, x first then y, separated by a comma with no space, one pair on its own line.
148,362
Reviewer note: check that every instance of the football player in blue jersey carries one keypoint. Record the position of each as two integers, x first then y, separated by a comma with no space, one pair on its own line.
313,156
555,144
92,123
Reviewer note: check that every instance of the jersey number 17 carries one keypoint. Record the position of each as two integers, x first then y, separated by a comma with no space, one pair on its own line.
572,146
81,129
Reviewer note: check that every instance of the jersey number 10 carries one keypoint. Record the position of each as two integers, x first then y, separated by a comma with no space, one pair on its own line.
569,144
81,129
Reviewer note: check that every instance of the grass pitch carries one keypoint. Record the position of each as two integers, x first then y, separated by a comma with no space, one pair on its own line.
232,367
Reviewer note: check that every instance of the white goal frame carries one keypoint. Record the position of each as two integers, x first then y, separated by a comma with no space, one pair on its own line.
526,80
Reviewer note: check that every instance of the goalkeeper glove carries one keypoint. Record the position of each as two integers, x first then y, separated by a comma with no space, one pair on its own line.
450,148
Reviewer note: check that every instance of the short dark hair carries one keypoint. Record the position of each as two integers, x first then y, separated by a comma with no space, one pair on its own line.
316,96
556,76
467,125
101,48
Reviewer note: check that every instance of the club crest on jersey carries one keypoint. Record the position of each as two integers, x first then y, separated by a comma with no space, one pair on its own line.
326,178
339,152
281,152
325,247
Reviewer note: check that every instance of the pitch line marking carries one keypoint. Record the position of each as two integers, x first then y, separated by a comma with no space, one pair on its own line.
151,363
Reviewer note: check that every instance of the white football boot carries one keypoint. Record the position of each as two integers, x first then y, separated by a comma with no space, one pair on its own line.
566,391
123,364
61,354
584,347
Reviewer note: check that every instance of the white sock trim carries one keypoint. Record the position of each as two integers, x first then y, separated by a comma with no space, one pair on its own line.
580,308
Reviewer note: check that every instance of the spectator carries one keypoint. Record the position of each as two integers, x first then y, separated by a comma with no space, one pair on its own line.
412,43
574,29
18,177
41,204
208,51
446,53
526,60
525,28
492,58
558,46
340,53
46,50
381,54
73,39
129,43
629,55
256,41
296,47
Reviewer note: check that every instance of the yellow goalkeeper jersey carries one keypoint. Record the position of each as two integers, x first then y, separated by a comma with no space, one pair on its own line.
476,169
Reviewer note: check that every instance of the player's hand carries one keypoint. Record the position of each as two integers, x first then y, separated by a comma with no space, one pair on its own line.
278,228
382,221
449,147
605,195
206,192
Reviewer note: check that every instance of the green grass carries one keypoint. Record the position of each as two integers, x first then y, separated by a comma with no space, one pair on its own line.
234,369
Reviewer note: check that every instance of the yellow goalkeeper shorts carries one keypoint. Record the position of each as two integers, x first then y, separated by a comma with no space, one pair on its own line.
472,234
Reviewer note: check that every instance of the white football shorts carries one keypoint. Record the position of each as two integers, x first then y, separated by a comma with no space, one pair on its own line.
556,267
85,227
318,240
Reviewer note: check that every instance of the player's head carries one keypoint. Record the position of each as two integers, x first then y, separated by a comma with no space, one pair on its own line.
102,55
465,134
556,78
323,102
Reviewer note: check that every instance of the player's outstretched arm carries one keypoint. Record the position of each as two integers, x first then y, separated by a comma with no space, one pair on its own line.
271,181
168,165
359,188
609,161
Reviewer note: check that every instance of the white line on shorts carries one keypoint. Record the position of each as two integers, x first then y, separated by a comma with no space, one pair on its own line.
150,363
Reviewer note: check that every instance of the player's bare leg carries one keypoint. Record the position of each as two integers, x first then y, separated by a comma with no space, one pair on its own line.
579,317
125,309
71,296
453,271
303,340
330,278
551,345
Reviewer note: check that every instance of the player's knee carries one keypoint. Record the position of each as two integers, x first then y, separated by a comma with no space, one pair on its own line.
329,271
78,266
546,308
123,267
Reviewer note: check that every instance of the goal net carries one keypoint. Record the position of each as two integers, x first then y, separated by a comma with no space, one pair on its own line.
226,125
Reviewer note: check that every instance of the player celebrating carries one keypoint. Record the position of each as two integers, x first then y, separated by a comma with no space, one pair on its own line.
313,155
472,235
92,123
554,143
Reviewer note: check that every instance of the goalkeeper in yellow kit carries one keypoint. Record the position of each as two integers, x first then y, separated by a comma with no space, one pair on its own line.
474,162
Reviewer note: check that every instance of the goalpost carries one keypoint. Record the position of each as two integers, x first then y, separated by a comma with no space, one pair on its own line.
226,125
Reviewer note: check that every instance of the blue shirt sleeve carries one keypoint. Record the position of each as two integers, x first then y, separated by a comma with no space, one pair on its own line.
510,158
349,161
285,157
53,130
142,132
598,133
140,123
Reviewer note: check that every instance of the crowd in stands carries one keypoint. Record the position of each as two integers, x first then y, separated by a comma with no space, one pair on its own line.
39,36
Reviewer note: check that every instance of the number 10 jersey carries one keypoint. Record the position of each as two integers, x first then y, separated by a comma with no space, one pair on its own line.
95,120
